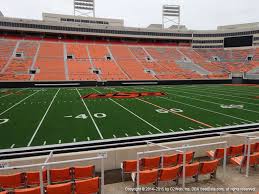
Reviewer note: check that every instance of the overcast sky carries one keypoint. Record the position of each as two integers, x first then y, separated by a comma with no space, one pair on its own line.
196,14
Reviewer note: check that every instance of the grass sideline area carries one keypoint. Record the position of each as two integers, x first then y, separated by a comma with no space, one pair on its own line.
40,116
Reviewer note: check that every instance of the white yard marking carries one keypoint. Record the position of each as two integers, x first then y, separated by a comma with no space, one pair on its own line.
126,135
18,103
204,108
44,143
171,130
133,113
218,125
191,128
88,139
97,128
114,136
59,141
201,127
39,125
225,99
74,140
12,146
138,133
181,129
70,116
150,132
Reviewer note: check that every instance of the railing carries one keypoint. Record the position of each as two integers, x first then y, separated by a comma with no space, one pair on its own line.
47,165
182,150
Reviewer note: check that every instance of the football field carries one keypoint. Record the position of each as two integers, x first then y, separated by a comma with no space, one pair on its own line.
40,116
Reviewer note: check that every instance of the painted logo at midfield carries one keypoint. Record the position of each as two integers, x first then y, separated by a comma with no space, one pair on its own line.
123,95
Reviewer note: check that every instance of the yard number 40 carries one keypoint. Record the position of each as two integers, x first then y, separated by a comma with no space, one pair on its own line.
96,115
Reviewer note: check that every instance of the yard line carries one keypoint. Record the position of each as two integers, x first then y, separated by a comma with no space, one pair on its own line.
18,103
186,117
74,140
133,113
191,128
150,132
59,141
218,125
44,143
225,100
201,127
126,135
39,125
88,138
181,129
138,133
114,136
171,130
12,146
203,108
97,128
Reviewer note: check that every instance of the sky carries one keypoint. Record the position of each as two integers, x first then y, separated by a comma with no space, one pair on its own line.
195,14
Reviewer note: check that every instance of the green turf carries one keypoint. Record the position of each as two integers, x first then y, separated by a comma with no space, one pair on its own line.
51,116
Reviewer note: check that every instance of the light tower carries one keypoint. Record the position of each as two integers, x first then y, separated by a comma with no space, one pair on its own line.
171,14
84,8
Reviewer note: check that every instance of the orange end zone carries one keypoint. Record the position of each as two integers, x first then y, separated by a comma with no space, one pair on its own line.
123,95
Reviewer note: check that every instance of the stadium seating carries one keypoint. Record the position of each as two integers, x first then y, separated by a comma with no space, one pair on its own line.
169,174
170,160
33,178
127,167
79,66
150,163
83,172
236,150
28,191
241,161
65,188
217,154
191,170
189,157
88,61
209,167
87,186
146,177
12,181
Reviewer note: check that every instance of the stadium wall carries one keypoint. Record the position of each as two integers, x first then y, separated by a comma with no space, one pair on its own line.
108,83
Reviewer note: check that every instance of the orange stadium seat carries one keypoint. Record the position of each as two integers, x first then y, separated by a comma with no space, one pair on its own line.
209,167
128,166
12,181
88,186
28,191
191,170
3,192
149,163
83,172
33,178
236,150
218,153
170,160
60,175
146,177
257,147
189,157
169,174
65,188
241,161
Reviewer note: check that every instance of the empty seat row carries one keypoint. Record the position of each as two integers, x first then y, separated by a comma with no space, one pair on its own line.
232,151
29,179
88,186
174,173
149,163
